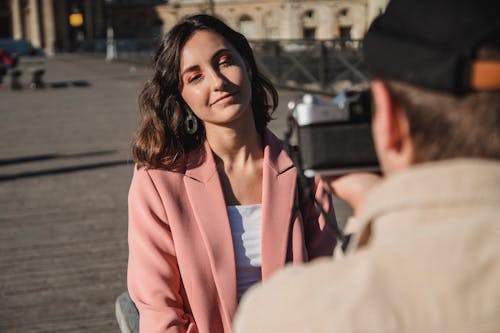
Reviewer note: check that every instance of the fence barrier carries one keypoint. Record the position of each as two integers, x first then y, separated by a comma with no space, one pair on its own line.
323,66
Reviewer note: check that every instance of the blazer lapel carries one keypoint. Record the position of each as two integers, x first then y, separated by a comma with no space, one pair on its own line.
208,204
278,195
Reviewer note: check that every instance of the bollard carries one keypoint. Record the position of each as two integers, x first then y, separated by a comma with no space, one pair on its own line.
15,75
36,78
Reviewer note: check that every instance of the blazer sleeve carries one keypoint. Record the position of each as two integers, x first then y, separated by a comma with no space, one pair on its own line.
153,277
319,236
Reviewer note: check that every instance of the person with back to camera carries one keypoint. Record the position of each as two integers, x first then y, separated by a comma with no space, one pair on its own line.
212,204
427,256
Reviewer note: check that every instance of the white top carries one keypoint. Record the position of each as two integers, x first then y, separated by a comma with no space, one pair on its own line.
246,226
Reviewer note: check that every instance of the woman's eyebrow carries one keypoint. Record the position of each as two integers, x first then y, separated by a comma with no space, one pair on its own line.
219,52
214,57
190,69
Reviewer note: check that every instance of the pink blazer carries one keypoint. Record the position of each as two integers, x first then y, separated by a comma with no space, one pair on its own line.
181,269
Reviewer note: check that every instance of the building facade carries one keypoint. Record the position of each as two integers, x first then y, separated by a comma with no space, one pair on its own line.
47,23
282,19
63,25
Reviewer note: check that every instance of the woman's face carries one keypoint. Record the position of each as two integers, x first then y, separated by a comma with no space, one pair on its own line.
214,80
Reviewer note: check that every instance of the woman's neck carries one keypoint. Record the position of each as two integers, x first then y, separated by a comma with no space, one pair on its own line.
239,154
235,146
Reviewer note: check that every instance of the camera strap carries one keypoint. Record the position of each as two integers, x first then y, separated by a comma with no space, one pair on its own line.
305,186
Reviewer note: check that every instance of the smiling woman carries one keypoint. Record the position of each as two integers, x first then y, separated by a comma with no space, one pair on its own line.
162,140
215,82
213,204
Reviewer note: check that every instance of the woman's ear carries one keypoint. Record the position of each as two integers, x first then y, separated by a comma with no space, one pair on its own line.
391,130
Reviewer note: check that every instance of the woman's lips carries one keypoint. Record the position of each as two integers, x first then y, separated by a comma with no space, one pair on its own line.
224,98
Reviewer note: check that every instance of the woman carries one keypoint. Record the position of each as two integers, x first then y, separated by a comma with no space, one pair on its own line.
211,205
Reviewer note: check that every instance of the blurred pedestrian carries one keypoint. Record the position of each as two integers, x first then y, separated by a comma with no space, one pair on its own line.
213,203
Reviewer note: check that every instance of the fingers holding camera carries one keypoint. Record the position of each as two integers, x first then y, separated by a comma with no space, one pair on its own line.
352,188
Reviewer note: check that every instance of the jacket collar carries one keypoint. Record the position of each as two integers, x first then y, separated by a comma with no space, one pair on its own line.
278,196
277,159
450,182
207,201
203,166
456,182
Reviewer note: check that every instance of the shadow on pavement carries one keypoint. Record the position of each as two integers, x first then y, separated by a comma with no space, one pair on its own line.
44,157
67,84
56,171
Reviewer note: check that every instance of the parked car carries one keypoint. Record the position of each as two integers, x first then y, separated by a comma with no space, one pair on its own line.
20,47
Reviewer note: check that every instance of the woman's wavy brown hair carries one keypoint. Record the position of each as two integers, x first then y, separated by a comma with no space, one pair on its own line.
161,140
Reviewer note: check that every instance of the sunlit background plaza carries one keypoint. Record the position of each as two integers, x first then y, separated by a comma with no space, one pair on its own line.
68,112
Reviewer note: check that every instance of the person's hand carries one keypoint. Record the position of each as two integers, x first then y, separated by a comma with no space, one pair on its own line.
352,187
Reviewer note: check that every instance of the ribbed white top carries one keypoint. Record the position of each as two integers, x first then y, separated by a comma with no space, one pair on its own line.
246,226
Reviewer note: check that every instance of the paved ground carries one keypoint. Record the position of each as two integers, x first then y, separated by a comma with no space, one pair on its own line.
64,175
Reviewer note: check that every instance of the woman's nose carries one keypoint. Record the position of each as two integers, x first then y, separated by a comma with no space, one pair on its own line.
217,80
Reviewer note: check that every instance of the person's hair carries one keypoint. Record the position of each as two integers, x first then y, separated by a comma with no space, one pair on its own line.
161,140
445,126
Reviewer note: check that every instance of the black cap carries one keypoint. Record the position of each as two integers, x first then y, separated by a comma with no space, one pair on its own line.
432,43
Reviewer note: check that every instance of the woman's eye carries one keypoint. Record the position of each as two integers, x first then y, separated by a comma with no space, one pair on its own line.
194,78
225,61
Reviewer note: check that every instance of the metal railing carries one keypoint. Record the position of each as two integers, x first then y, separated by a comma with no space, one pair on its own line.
324,66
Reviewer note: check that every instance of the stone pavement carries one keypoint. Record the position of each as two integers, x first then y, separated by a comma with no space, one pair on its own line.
65,169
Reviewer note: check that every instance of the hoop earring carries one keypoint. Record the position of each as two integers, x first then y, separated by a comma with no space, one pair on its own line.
191,123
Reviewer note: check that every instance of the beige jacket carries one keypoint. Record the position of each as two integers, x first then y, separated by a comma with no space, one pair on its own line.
431,264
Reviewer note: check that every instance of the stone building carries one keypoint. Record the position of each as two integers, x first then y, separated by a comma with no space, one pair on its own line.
46,23
5,24
282,19
63,25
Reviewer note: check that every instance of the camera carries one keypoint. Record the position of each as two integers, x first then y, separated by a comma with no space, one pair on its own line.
335,137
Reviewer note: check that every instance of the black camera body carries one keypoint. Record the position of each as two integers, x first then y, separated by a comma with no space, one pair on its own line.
335,137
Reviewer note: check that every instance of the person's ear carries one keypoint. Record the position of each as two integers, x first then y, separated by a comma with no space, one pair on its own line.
391,130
